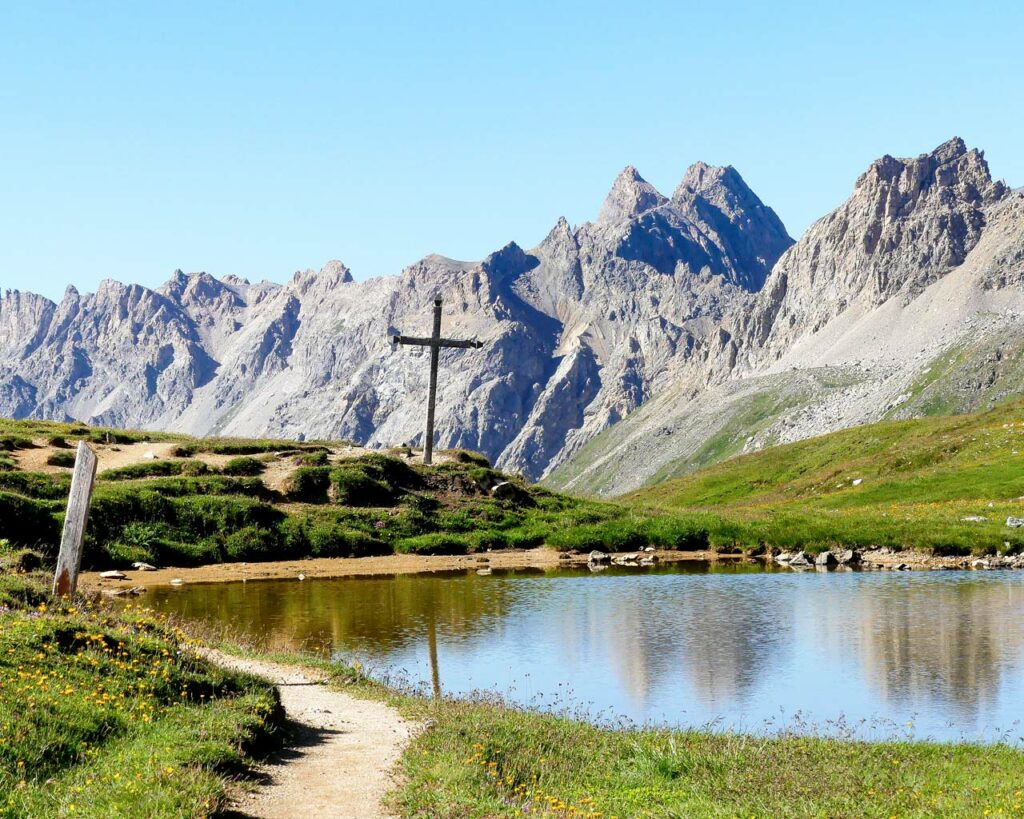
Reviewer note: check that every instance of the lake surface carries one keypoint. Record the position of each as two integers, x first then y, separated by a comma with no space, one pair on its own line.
924,654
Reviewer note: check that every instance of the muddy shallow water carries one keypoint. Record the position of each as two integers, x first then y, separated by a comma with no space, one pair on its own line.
931,655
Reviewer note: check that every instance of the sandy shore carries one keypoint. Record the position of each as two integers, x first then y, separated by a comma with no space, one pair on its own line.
361,566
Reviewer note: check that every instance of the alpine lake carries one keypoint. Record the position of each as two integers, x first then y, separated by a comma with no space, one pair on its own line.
866,654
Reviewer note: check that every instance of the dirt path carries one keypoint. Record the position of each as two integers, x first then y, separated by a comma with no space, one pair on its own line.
341,754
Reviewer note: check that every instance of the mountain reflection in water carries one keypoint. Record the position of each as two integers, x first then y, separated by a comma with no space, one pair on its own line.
687,645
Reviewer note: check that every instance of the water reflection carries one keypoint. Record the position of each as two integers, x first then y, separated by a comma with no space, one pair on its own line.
684,645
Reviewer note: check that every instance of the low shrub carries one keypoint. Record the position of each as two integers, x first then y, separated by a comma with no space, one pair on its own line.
333,540
252,543
151,469
465,456
309,484
526,537
353,485
62,457
435,543
39,485
29,522
57,442
607,536
9,443
243,466
312,459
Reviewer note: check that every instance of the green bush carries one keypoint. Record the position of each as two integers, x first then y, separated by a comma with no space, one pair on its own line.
7,463
353,485
8,443
115,507
607,536
464,456
189,553
146,469
121,555
309,484
29,522
526,537
210,485
36,484
333,540
252,543
65,458
203,516
485,539
435,543
57,442
667,532
312,459
243,466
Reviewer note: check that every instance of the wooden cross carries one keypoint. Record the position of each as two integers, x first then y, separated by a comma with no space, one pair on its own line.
435,343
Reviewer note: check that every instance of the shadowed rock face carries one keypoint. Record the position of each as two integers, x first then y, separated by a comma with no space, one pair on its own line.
579,331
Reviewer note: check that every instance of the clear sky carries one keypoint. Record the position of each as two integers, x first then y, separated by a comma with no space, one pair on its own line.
258,138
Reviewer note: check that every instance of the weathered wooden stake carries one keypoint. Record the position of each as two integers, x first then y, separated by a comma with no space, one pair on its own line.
65,581
435,343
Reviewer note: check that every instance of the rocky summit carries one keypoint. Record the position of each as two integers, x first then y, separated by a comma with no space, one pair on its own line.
668,333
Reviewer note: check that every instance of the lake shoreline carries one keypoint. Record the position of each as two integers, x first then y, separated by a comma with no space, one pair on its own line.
540,558
381,566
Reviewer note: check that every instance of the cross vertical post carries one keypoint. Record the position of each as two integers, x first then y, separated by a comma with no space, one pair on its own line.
435,351
435,343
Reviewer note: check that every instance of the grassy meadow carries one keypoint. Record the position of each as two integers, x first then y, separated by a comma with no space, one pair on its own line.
903,484
103,711
214,500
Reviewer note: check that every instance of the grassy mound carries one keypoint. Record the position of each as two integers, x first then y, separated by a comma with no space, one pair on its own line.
230,500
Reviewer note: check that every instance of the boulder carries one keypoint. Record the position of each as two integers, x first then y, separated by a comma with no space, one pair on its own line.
598,558
626,559
799,559
1014,523
825,559
143,567
783,557
974,519
113,575
844,556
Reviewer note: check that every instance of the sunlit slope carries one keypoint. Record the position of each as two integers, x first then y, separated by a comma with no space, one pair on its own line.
891,483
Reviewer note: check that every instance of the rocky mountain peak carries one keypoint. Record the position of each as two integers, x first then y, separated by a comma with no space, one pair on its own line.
907,224
950,172
630,196
337,271
722,205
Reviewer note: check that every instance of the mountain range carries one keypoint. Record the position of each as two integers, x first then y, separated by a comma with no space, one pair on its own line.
670,332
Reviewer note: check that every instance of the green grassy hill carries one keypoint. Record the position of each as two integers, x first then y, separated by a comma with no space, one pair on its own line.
179,501
896,483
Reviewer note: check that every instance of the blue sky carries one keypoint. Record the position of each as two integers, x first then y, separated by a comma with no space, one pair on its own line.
260,138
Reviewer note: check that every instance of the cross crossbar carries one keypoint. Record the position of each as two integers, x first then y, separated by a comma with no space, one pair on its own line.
441,342
435,342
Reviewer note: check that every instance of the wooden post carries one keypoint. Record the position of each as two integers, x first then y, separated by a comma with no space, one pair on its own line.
65,580
435,349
